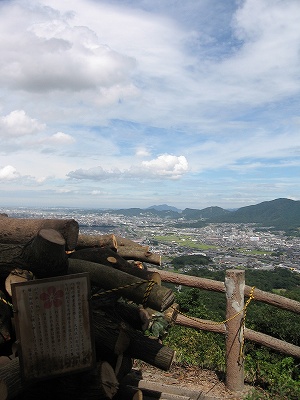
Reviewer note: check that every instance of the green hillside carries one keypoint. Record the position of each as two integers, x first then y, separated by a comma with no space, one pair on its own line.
206,213
280,213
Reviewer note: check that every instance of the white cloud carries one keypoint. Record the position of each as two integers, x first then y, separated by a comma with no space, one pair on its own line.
60,138
8,173
142,152
62,56
17,123
96,173
165,166
264,66
97,192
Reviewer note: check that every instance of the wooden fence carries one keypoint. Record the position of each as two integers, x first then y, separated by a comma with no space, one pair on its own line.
234,328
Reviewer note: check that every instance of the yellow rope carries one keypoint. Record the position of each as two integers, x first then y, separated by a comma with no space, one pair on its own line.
7,302
251,296
147,292
118,288
242,327
150,285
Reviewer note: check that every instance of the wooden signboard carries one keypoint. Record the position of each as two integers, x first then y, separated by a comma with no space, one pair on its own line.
53,326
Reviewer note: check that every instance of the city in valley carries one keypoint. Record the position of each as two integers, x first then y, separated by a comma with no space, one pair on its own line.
227,245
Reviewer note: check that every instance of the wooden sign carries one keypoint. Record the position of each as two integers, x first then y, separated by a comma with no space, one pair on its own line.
53,326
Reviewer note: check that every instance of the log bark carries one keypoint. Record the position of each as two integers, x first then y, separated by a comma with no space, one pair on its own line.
22,230
10,258
106,256
125,242
235,284
123,366
273,343
200,324
110,335
98,384
45,254
159,298
129,393
136,316
10,376
88,241
274,299
170,314
150,350
132,343
138,254
191,281
3,390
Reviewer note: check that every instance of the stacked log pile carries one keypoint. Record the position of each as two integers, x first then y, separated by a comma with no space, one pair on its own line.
125,295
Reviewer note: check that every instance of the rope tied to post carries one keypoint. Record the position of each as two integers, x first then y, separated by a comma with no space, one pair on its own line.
251,297
147,292
242,328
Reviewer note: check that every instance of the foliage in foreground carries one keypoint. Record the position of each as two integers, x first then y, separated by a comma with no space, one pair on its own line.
272,375
275,377
196,348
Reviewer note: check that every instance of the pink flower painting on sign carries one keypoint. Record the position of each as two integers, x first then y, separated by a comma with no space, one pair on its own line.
52,297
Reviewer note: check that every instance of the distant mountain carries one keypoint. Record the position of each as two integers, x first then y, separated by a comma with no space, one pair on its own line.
163,207
205,213
280,213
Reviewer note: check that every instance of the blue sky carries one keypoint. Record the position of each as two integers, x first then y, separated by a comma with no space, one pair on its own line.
121,104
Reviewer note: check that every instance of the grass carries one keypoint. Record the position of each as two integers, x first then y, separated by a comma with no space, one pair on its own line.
183,240
254,252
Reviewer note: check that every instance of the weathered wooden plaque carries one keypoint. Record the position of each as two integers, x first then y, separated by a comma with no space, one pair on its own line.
53,326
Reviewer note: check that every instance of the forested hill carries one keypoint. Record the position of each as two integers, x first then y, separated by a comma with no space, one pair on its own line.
279,213
206,213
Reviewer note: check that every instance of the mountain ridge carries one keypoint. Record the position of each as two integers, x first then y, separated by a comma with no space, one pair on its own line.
278,213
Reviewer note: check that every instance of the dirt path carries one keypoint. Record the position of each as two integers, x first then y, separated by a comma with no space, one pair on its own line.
206,382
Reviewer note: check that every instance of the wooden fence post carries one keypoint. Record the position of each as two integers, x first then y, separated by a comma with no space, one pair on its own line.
235,285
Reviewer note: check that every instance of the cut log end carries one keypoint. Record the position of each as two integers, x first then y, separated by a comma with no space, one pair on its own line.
109,381
17,275
45,255
52,236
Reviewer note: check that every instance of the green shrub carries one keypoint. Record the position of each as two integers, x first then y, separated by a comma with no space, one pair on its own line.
197,347
276,377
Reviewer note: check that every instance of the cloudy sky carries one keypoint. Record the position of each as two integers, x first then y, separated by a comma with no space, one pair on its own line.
130,103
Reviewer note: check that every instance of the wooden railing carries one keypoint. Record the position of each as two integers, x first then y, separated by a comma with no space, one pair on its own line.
233,327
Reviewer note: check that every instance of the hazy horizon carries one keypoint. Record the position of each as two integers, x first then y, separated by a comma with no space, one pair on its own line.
2,207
